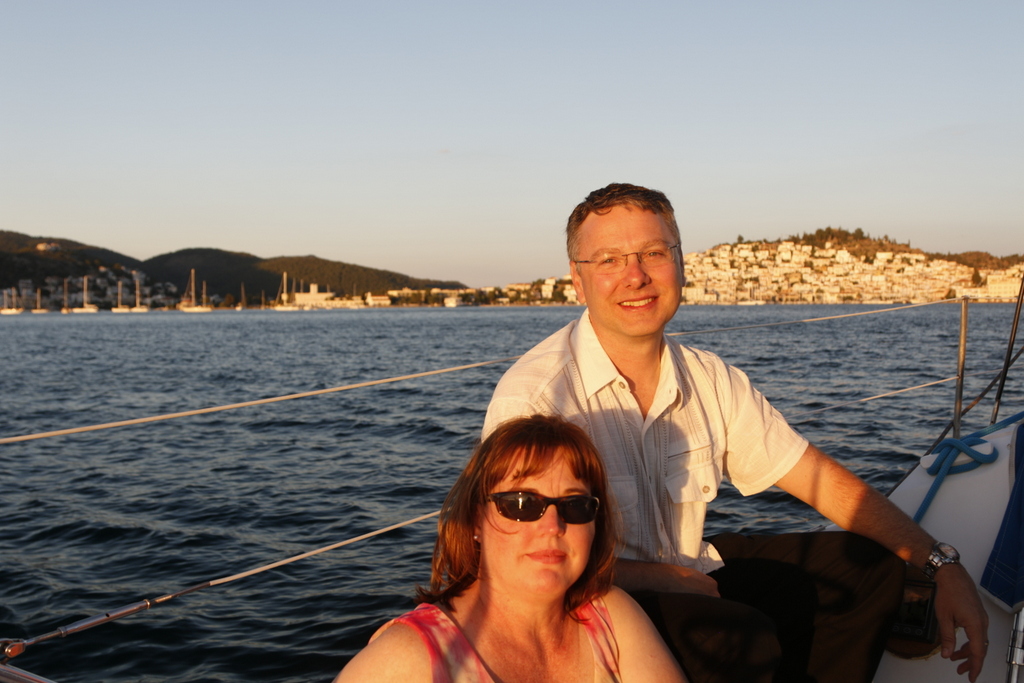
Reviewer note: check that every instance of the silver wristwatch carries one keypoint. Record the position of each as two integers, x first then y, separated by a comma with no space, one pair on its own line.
942,553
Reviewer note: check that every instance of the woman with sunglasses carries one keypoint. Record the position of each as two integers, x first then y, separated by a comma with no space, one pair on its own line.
521,583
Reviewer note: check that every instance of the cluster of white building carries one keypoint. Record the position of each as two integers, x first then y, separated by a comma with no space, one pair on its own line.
102,287
315,298
782,272
786,272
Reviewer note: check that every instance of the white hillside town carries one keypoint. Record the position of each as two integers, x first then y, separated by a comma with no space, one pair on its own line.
786,272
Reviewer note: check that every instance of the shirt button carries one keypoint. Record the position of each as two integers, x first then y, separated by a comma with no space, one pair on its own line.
622,385
706,488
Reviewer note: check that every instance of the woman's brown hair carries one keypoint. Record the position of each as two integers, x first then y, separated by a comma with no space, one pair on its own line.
530,445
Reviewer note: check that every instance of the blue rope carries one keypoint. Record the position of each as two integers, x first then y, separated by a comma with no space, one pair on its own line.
949,449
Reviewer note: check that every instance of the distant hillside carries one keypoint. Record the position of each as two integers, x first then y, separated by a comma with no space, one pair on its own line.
862,245
346,278
223,271
858,243
981,260
20,259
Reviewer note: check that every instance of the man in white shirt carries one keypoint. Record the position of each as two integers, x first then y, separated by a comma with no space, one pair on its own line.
671,422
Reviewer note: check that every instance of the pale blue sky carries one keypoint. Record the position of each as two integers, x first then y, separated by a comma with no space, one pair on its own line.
451,139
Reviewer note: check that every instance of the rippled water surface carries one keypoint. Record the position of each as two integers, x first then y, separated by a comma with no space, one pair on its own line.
94,521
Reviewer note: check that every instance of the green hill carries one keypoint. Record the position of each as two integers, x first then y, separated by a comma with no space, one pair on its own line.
862,245
346,278
21,260
858,243
981,259
223,271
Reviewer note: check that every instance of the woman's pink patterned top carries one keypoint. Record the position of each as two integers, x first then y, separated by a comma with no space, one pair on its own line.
453,659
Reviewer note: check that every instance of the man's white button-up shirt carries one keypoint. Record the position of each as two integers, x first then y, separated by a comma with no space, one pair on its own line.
706,423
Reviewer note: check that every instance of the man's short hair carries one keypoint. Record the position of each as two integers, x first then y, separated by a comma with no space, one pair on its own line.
617,194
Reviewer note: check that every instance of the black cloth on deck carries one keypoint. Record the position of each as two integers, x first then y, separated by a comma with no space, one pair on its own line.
795,608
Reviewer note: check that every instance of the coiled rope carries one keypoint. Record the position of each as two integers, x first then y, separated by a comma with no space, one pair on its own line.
949,450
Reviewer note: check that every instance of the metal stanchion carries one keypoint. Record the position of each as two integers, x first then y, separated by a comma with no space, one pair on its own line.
1009,352
1015,651
960,362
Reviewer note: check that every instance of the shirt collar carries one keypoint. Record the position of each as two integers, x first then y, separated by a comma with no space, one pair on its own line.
597,370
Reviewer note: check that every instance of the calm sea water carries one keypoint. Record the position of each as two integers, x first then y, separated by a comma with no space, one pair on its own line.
94,521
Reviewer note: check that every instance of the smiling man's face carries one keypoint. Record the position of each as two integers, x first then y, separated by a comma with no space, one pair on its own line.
639,301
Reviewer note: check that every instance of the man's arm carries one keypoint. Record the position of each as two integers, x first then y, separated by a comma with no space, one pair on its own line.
844,498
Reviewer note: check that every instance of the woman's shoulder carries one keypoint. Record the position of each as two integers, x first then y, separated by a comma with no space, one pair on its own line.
619,614
396,652
618,604
643,655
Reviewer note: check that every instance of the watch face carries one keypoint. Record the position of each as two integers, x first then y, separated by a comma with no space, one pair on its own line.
947,550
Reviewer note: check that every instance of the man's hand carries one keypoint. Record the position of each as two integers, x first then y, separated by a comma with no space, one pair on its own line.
633,576
957,604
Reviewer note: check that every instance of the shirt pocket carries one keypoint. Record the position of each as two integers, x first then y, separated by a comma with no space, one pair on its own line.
693,477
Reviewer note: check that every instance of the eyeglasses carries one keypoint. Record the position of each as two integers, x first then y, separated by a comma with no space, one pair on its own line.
652,257
523,506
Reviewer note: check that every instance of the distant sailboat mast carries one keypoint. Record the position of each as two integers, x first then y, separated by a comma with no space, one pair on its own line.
120,308
282,294
39,302
11,308
138,307
285,300
192,305
86,306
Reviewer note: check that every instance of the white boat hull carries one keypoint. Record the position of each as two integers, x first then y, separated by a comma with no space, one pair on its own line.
966,512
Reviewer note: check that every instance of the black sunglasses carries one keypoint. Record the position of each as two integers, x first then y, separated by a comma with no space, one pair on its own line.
523,506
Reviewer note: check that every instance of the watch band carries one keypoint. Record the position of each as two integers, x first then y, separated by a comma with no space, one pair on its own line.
942,554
